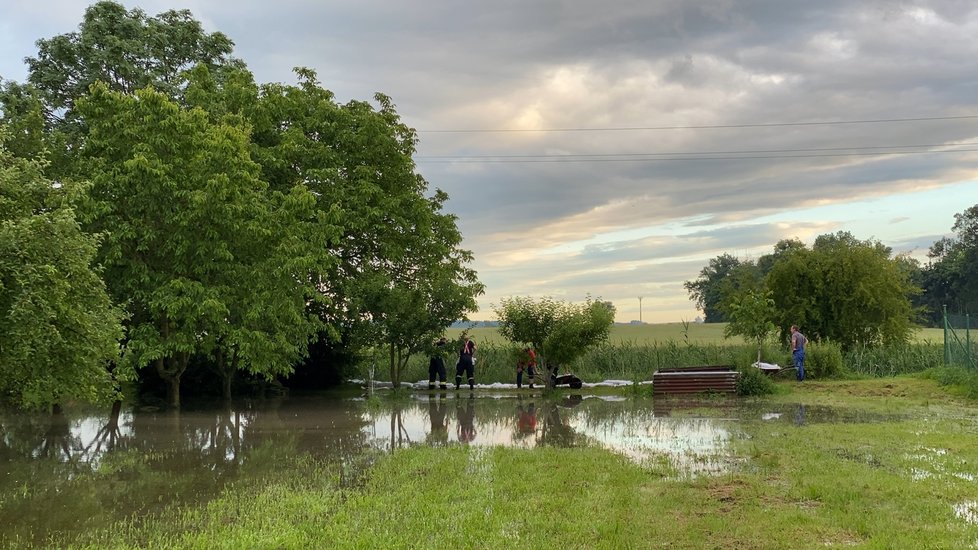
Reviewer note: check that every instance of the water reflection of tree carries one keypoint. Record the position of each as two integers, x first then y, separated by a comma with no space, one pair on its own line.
399,434
555,430
109,434
45,483
77,471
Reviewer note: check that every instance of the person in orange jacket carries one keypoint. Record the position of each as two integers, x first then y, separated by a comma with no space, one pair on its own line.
527,361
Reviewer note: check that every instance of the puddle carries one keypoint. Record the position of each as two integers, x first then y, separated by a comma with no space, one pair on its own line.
98,468
937,463
968,511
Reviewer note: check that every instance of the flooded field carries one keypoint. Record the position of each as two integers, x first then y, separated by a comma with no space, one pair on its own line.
86,469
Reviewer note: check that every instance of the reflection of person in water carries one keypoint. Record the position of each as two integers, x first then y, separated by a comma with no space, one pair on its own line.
438,435
466,420
436,365
800,415
526,422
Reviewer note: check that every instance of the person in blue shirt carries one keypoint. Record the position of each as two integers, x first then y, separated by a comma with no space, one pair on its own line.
798,343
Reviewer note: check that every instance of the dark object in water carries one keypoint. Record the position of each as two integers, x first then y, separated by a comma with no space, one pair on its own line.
568,379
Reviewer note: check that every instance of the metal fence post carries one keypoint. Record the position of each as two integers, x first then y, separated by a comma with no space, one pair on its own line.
967,338
947,345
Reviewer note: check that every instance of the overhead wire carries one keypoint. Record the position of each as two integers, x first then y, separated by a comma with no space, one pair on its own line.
694,126
758,154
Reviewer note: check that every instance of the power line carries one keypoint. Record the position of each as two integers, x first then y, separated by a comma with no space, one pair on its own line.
695,127
557,160
733,152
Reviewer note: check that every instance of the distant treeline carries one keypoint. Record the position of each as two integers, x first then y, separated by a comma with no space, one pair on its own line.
850,290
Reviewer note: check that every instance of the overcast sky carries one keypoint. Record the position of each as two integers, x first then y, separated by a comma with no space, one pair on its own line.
613,148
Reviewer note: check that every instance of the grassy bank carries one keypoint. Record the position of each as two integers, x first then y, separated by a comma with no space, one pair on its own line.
903,483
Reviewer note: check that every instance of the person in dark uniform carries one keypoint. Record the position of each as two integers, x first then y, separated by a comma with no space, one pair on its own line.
466,362
436,365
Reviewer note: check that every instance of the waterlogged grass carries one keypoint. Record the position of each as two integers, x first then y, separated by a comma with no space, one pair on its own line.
904,483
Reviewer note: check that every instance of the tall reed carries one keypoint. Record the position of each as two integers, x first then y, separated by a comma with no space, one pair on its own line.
636,361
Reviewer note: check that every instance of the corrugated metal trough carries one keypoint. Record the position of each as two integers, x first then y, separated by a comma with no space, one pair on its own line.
707,378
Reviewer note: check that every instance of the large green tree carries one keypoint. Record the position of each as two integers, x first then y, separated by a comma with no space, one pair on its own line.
397,274
342,191
951,276
195,247
559,331
722,278
127,51
60,333
845,290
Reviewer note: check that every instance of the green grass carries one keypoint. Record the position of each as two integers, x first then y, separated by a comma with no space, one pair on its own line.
861,485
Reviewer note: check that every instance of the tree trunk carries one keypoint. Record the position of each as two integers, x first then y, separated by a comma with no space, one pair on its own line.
227,371
545,372
395,370
171,373
173,390
228,378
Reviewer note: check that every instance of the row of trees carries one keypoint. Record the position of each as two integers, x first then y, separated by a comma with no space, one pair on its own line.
841,289
160,208
846,289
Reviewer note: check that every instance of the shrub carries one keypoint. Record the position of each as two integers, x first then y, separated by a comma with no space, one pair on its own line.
753,382
823,360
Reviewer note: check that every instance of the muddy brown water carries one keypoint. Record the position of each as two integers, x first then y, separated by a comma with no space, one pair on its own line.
85,469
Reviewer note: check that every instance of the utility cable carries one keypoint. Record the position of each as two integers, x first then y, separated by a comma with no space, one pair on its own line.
465,160
695,127
734,152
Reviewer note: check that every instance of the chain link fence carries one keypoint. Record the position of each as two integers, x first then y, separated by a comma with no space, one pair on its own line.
960,348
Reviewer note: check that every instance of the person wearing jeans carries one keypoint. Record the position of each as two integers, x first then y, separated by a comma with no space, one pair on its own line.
527,361
798,343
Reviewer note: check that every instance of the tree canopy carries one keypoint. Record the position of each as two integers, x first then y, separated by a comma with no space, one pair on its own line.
60,330
126,50
951,277
236,223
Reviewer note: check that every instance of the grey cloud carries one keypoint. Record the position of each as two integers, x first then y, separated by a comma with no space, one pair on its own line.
635,63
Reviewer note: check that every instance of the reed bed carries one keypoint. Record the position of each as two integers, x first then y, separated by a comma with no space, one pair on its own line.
637,360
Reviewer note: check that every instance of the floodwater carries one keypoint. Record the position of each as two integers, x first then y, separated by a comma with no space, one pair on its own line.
85,469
